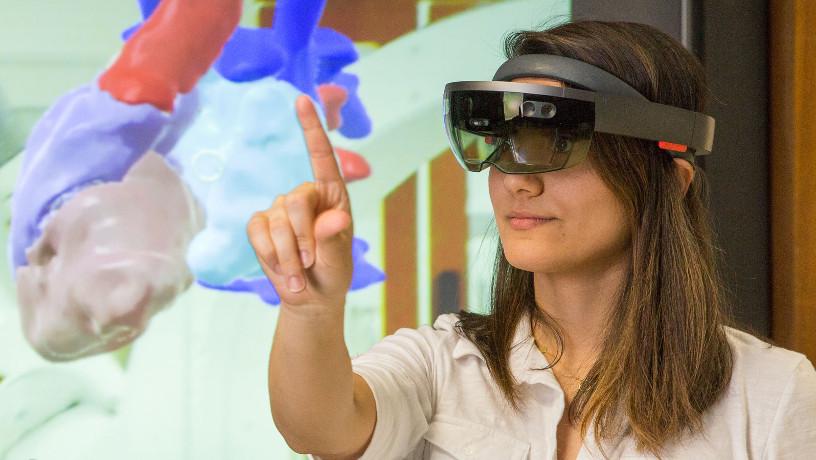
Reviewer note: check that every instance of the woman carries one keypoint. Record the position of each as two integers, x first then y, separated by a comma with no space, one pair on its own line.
606,336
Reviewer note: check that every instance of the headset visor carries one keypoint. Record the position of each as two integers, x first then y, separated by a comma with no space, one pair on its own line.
527,128
518,132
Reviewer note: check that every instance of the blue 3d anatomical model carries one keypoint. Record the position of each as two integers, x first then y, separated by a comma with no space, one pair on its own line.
240,153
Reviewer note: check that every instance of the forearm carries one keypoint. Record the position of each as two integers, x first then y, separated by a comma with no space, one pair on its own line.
311,387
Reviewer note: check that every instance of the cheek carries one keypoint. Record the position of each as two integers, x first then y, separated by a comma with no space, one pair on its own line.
500,199
593,230
493,185
601,230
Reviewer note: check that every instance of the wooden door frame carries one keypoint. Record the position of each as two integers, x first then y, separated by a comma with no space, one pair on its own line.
793,174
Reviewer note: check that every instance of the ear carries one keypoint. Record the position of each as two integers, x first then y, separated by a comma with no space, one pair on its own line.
685,172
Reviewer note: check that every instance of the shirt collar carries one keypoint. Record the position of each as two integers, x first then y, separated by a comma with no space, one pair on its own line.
526,361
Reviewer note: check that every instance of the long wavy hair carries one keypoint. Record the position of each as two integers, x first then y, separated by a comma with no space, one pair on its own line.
665,358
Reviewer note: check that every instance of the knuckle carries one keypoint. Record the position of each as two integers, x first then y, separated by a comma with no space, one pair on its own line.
279,201
277,216
267,254
304,187
296,200
257,216
255,223
278,225
309,187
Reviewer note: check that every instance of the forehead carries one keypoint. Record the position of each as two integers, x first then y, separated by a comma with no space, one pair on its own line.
540,81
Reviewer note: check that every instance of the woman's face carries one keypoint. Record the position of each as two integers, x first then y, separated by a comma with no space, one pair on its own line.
560,221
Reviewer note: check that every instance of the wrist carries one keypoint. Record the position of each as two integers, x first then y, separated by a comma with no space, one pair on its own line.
314,312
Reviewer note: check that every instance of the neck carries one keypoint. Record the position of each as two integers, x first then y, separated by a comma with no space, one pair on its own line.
580,302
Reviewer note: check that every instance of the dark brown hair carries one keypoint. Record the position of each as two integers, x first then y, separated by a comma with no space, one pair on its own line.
665,358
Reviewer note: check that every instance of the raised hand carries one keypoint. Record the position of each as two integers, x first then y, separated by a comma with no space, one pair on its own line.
303,241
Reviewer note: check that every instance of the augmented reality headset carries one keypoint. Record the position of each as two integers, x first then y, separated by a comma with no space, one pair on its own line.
533,128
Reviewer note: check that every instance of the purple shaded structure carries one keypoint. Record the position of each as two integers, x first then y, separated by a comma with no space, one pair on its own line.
87,137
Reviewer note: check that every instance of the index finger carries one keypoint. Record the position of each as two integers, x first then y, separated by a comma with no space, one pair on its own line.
321,155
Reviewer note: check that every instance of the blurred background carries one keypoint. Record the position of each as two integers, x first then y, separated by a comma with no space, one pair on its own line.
193,386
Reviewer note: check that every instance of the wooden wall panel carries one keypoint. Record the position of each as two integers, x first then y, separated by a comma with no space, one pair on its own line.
266,11
448,234
793,174
400,254
370,20
377,21
440,9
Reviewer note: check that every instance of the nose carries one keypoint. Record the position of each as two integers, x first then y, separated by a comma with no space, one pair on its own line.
530,185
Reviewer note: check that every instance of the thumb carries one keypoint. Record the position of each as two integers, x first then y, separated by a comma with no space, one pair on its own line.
333,236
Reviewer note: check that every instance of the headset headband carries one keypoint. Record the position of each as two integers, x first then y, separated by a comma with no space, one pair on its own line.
676,128
572,71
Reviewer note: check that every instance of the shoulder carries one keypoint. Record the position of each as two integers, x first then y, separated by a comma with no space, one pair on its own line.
446,322
763,363
424,342
442,332
774,391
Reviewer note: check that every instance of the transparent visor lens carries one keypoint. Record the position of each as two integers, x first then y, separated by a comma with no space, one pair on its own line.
516,132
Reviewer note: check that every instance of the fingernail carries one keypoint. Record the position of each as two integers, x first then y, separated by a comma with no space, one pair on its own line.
304,257
296,283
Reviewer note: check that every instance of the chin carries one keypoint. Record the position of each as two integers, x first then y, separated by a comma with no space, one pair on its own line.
537,261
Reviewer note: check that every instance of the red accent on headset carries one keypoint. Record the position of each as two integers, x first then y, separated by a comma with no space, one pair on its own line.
673,147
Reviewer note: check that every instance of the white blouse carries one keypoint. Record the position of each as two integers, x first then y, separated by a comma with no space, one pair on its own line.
436,400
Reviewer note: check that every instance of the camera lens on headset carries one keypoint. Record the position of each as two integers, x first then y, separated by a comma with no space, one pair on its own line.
547,110
537,109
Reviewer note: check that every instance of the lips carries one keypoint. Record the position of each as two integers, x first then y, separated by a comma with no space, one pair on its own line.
527,215
520,220
528,221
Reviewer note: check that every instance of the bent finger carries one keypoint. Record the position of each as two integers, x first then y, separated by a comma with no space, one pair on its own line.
301,207
283,237
258,233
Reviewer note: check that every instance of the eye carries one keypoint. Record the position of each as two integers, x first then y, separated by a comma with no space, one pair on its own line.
490,140
563,145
